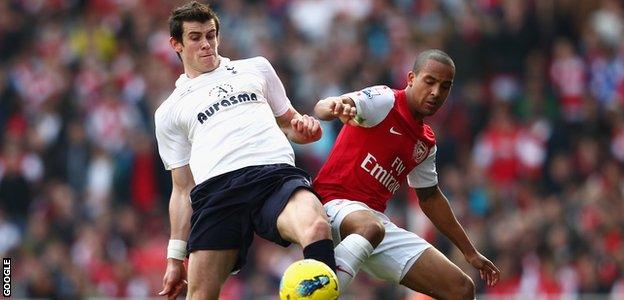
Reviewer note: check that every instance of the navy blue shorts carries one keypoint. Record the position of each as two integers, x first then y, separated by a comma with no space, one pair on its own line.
229,208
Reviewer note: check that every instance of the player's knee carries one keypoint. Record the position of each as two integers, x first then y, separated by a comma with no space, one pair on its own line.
197,292
318,230
373,231
464,288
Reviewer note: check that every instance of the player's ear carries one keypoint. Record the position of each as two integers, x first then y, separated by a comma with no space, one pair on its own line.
411,77
175,44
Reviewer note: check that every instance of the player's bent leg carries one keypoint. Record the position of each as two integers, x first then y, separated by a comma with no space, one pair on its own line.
359,232
304,221
207,271
433,274
364,223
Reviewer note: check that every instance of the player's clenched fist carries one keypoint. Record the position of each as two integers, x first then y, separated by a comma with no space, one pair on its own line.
306,127
342,108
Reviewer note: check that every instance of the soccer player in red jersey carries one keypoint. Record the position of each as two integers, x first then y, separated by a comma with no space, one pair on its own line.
384,142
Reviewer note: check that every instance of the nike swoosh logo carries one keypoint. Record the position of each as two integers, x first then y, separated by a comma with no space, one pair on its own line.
394,131
340,269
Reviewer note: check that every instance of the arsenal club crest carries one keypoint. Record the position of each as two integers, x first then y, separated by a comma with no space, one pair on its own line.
420,152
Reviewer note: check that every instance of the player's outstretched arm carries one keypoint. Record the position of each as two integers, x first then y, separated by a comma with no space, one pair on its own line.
341,107
180,210
435,205
301,129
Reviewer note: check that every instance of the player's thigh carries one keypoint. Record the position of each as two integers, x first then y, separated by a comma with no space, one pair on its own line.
435,275
302,214
343,214
208,270
364,223
398,250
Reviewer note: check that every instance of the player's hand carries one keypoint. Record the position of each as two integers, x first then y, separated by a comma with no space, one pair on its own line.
174,282
342,108
307,129
487,270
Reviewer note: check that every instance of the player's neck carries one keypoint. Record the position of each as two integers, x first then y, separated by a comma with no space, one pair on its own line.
417,116
192,72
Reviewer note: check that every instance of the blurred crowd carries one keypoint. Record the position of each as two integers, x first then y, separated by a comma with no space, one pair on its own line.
530,141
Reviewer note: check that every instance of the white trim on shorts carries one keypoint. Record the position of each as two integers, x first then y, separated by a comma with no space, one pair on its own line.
396,253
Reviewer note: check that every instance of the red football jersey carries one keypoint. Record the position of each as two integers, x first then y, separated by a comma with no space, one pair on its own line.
369,162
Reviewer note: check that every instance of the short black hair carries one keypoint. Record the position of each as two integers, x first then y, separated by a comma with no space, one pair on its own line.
192,11
435,54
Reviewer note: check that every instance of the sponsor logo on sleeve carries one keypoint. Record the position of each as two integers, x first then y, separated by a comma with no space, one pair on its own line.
371,92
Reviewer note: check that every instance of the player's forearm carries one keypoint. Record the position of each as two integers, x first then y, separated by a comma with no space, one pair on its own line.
438,210
298,131
180,211
323,110
299,138
332,107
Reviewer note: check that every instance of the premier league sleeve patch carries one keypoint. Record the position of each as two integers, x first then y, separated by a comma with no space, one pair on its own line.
373,104
372,92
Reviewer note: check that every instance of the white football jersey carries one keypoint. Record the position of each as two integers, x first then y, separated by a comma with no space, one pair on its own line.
224,120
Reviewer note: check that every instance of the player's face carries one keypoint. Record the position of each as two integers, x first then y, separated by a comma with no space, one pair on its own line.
427,90
198,48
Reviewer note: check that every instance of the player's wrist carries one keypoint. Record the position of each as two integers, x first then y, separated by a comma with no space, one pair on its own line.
347,100
176,249
470,254
172,262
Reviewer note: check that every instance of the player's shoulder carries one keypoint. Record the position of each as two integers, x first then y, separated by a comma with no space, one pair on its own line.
378,90
428,134
373,104
379,94
182,88
257,62
164,109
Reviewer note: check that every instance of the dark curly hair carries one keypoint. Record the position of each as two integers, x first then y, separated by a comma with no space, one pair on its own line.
192,11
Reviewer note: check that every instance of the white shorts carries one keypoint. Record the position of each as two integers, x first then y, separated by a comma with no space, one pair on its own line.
396,253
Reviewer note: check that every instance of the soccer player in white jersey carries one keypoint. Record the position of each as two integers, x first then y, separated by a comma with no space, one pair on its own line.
226,127
383,143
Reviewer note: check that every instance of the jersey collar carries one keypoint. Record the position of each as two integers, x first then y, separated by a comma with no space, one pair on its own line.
183,79
403,106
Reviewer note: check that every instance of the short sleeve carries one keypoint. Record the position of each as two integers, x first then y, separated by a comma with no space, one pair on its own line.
372,104
424,174
173,144
275,92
